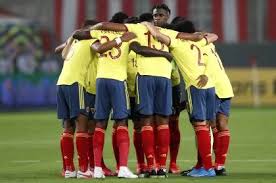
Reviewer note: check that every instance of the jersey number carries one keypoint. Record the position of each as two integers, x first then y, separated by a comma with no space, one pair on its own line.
148,34
106,39
199,61
215,53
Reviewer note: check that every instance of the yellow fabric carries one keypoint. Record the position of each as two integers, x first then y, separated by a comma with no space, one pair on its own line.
131,73
113,63
91,75
216,70
152,66
189,58
76,64
175,78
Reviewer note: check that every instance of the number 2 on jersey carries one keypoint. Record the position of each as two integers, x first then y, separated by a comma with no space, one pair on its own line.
199,61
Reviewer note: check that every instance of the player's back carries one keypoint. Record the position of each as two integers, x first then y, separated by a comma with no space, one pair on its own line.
152,66
216,70
76,63
113,63
190,61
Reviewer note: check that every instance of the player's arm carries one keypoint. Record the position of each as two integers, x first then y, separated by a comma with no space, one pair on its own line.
64,48
210,37
157,34
109,26
149,52
101,48
190,36
59,48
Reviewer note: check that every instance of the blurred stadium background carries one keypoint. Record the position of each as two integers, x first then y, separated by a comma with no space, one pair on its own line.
30,30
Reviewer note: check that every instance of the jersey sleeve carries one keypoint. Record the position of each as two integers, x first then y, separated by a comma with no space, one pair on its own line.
172,35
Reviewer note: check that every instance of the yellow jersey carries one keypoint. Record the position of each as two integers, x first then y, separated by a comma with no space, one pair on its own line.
113,63
216,70
189,58
76,63
152,66
131,73
91,75
175,78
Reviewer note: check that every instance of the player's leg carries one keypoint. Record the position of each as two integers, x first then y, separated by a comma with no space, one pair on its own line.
120,106
174,142
103,107
162,109
79,111
67,136
174,129
144,100
137,139
223,136
198,104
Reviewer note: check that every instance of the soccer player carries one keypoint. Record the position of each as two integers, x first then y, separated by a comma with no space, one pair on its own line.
141,168
200,89
224,93
111,93
161,14
71,105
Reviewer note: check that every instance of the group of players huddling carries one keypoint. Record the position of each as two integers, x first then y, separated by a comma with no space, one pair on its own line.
130,68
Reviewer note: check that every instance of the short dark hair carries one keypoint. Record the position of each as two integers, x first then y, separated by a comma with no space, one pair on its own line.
132,20
89,22
161,6
177,19
146,17
119,17
185,26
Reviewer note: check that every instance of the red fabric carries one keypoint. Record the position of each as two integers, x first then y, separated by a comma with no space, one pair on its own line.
123,144
174,137
115,146
137,141
90,150
204,145
67,146
82,148
98,142
222,150
199,161
148,145
163,141
62,154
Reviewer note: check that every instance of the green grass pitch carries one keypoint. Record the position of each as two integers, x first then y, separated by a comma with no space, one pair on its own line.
29,148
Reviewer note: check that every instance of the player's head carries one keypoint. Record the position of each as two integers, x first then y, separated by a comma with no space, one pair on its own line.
146,17
161,14
177,19
89,22
132,20
185,26
119,17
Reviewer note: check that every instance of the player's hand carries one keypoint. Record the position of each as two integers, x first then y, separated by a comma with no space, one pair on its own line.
127,36
203,80
199,36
